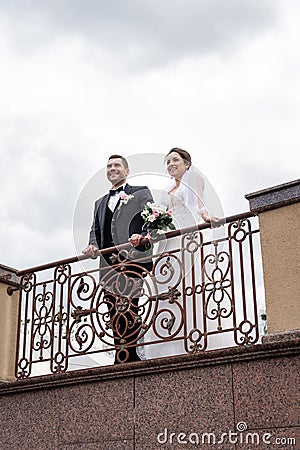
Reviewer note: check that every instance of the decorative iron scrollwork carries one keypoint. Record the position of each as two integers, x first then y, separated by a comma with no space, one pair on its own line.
197,294
79,312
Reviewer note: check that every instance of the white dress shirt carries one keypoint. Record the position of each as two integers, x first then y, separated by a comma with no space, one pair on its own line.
113,199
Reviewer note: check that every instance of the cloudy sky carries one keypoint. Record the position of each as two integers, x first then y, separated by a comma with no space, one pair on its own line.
82,79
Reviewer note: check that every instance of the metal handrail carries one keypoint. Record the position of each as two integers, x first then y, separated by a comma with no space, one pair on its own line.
106,251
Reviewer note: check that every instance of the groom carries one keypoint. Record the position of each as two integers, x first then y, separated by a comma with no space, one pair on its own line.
117,220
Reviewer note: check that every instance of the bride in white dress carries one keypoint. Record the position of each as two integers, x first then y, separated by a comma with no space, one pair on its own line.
175,324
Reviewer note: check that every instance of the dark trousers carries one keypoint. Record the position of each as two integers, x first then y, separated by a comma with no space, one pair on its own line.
124,322
121,295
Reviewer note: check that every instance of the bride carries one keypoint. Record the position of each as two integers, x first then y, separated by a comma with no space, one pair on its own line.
176,325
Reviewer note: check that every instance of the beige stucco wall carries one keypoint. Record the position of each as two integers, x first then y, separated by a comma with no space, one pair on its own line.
9,305
280,237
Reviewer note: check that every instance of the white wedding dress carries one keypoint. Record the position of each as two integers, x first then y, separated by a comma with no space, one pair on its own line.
175,323
169,316
180,317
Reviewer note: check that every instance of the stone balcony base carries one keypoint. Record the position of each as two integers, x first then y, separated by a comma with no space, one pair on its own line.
126,407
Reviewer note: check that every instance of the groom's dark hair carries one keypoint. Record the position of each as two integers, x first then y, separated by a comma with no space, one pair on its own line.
124,160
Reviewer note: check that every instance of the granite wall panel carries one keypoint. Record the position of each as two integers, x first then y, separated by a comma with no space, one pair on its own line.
267,392
93,412
190,403
29,420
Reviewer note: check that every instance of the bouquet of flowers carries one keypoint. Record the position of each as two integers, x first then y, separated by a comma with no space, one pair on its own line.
157,217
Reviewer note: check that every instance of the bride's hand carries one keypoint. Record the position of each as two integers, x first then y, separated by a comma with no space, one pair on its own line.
206,217
135,239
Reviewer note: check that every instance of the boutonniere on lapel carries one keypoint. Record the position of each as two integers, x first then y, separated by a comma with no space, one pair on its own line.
124,198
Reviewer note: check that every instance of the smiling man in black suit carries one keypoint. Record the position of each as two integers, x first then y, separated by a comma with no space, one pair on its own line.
117,220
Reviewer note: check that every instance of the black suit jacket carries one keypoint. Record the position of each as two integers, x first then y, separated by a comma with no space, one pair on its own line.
126,219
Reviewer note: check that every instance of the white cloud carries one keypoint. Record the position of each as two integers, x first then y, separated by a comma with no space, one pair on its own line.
146,32
76,86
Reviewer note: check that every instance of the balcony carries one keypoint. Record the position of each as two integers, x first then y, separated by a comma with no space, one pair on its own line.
205,293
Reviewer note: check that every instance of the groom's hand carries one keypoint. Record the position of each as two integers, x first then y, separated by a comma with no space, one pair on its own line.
91,251
136,239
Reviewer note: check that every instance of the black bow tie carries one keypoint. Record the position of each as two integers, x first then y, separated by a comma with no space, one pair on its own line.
115,191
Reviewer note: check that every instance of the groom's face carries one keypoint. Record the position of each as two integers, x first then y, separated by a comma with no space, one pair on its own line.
116,172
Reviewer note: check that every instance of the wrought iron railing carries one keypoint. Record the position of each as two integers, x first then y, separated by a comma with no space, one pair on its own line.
204,292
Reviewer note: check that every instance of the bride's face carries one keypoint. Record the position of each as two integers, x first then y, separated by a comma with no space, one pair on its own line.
176,166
